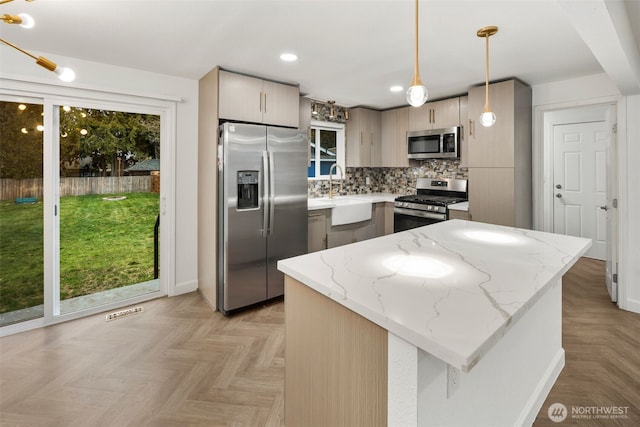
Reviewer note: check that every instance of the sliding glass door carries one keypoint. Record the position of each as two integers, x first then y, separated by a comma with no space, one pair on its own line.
21,211
80,212
109,188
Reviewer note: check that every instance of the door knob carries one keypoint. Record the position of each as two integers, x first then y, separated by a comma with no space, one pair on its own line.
558,186
559,196
604,208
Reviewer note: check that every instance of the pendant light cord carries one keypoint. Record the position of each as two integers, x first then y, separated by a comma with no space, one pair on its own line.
416,71
486,73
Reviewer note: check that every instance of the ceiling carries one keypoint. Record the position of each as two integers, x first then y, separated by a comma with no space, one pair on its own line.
350,51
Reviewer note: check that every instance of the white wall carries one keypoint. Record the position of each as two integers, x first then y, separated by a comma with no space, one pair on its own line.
109,78
630,235
590,90
579,91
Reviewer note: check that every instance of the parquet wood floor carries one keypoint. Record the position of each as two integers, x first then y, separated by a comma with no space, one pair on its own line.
602,353
180,364
176,364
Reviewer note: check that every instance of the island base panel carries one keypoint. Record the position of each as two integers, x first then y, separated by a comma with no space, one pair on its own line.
510,383
343,370
335,363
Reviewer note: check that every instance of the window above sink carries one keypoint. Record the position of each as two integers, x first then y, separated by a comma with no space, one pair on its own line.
327,146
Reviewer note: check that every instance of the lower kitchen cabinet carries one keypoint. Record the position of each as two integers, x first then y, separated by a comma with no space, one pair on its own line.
317,230
388,219
350,233
358,231
322,235
455,214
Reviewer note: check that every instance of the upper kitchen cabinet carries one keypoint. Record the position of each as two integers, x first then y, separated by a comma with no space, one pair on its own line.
435,115
500,156
464,132
250,99
394,125
508,141
305,114
305,122
363,138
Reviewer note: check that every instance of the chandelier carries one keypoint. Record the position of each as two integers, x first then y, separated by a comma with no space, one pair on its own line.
26,21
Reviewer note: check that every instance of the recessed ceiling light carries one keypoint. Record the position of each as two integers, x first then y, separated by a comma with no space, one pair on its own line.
289,57
395,88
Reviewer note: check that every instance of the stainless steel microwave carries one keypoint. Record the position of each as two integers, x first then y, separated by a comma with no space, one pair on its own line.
434,143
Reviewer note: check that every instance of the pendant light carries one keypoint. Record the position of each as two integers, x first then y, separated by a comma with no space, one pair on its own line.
488,117
417,94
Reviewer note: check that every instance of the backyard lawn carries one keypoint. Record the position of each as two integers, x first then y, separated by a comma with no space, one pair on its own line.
103,245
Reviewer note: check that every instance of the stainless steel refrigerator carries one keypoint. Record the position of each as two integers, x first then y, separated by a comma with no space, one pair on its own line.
262,210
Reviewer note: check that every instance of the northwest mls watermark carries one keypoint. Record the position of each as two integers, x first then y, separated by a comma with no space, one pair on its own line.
559,412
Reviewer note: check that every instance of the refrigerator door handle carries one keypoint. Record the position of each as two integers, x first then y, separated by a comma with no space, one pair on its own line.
272,192
266,177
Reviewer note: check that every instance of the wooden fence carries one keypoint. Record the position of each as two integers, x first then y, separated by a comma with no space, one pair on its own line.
17,188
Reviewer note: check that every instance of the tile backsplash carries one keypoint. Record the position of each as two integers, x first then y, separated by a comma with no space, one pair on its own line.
388,180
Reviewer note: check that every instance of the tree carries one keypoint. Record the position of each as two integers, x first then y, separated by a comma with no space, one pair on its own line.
20,140
104,136
92,139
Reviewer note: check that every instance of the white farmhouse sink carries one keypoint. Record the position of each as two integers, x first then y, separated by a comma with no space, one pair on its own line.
348,211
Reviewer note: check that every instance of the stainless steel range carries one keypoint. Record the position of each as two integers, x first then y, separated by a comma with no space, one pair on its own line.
430,203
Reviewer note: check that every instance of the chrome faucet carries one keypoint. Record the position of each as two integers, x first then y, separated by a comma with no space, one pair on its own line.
333,166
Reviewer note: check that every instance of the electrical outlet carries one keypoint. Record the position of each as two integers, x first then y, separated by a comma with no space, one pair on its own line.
453,380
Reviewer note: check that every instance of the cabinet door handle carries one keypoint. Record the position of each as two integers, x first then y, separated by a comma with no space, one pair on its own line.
265,102
470,128
371,138
260,102
361,138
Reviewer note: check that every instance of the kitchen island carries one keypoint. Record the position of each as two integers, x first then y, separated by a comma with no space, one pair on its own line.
456,323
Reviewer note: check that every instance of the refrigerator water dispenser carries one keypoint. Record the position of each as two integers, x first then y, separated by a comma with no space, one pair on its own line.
247,190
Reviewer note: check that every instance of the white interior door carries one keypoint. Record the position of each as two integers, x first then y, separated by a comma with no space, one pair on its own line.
580,184
612,205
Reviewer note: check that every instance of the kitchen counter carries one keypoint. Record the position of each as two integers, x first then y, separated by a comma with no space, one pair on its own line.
327,203
456,292
463,206
446,288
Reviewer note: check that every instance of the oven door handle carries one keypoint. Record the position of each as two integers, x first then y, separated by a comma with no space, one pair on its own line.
421,214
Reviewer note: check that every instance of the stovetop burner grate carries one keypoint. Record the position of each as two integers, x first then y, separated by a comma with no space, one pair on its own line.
425,199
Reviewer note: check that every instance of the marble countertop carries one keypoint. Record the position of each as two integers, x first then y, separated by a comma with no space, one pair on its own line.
463,206
327,203
452,288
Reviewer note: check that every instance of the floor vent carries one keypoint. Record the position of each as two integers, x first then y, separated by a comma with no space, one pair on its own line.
123,313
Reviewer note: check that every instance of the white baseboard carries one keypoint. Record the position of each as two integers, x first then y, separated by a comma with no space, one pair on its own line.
184,288
629,304
541,392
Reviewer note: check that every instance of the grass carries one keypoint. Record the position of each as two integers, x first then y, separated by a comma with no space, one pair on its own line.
103,245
